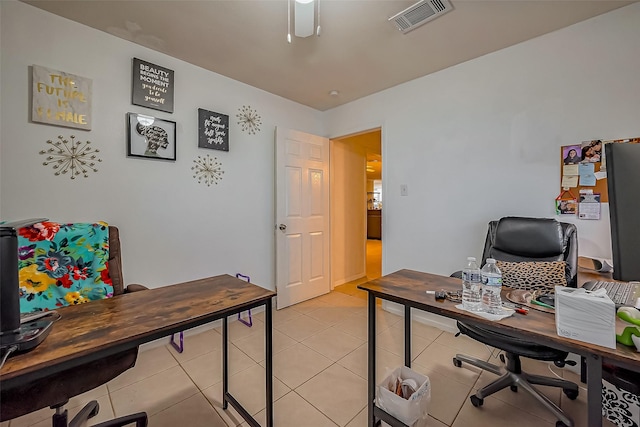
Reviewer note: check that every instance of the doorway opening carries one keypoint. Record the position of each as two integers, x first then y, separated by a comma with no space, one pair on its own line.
356,209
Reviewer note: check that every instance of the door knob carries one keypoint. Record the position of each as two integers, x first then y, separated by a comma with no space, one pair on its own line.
282,227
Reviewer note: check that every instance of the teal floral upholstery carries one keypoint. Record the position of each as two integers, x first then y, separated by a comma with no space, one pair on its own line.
63,264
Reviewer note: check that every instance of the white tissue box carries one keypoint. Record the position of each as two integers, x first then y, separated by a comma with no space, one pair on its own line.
586,316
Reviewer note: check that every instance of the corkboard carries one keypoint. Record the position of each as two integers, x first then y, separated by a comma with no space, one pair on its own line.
601,184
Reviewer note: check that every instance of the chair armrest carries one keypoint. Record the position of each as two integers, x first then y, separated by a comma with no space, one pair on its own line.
134,287
457,274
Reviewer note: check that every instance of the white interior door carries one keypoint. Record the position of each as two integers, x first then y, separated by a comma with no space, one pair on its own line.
302,215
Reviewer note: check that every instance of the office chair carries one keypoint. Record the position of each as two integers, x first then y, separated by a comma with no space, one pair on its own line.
56,389
517,239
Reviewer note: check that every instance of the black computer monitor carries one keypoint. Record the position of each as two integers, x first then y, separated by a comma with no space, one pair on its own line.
623,183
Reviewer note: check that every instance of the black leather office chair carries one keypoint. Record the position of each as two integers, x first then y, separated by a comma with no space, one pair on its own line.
56,390
516,239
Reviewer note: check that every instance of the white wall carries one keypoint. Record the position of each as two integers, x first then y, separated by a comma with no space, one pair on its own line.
348,211
481,140
474,142
172,228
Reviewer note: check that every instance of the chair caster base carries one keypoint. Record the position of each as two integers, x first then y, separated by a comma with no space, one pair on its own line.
476,401
95,410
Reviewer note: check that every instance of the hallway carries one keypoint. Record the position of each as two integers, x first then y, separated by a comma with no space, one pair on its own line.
374,269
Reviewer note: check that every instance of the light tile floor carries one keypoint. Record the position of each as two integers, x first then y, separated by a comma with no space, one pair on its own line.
320,369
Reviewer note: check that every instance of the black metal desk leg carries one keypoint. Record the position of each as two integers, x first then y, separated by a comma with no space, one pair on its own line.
594,390
371,364
407,336
225,361
268,348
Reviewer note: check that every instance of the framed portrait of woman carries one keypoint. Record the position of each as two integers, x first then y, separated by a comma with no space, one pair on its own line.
150,137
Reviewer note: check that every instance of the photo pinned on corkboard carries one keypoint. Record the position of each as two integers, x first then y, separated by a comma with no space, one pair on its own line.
591,151
571,154
566,207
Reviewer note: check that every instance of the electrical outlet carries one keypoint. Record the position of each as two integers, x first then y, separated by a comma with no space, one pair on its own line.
404,190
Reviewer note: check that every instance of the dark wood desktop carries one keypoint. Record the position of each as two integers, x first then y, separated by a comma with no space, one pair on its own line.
409,288
98,329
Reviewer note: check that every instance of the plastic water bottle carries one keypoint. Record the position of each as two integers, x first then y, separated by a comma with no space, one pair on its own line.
491,287
471,286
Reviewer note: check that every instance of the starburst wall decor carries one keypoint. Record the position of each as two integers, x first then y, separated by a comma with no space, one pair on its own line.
207,170
249,120
71,157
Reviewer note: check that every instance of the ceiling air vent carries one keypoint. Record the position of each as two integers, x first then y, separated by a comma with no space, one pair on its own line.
420,13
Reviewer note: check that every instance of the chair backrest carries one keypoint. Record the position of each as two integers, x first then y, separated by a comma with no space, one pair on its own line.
66,264
57,387
518,239
115,261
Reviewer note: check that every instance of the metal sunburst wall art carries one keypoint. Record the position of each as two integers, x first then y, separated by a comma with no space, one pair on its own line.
207,170
73,157
249,120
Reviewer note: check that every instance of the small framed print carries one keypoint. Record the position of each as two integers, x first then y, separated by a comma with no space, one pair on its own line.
60,98
151,137
213,130
152,86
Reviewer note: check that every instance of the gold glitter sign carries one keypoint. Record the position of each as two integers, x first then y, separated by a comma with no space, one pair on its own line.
61,99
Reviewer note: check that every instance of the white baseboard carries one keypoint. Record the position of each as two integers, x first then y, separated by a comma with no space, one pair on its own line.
429,319
194,331
349,279
449,325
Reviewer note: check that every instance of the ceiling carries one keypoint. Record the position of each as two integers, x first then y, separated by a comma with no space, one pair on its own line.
358,53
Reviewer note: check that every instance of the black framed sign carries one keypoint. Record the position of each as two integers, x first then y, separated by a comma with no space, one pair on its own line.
151,137
213,130
152,86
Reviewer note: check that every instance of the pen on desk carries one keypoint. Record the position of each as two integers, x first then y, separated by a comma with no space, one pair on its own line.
516,307
541,304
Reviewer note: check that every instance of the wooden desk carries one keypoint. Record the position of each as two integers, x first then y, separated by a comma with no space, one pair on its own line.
98,329
408,288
